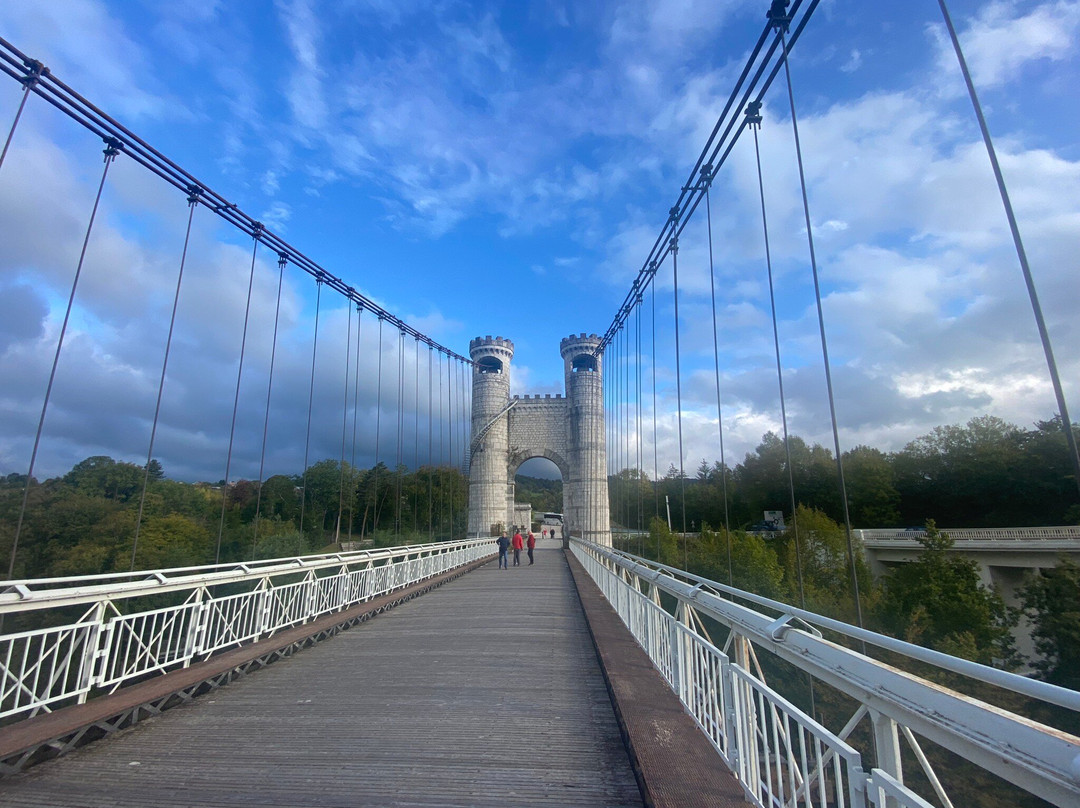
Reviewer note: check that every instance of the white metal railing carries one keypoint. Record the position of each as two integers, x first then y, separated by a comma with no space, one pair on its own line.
784,757
120,638
994,534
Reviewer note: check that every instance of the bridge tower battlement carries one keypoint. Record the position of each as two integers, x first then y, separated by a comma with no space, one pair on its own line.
487,456
568,430
583,367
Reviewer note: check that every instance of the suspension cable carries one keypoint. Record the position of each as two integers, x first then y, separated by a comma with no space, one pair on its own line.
356,409
37,69
311,400
674,250
753,114
450,443
344,419
779,18
655,451
626,430
378,431
442,449
112,148
193,199
1025,267
706,179
282,260
430,448
55,92
637,429
416,440
400,431
236,398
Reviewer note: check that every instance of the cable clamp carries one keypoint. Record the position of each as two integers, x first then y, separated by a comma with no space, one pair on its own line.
778,16
113,147
18,589
37,70
194,192
753,113
781,626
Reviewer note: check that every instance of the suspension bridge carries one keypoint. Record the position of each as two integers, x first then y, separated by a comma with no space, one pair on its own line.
423,673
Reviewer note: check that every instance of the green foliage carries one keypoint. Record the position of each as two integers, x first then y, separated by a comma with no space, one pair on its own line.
821,545
545,496
938,601
1051,601
754,564
86,521
662,544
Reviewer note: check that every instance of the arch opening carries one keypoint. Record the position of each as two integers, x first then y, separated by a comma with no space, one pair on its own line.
538,483
584,363
489,364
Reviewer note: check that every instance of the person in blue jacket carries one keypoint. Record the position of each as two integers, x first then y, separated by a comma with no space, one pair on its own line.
504,545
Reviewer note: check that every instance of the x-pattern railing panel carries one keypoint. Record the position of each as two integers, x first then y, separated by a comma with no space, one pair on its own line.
53,665
232,620
148,641
785,757
40,668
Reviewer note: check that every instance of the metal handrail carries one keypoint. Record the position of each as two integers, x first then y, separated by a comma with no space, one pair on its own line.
1064,532
45,593
1037,758
48,666
1033,688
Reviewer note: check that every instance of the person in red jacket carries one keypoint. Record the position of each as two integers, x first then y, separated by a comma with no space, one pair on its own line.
518,543
531,544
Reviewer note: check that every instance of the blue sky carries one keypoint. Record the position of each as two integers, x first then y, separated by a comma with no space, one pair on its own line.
503,168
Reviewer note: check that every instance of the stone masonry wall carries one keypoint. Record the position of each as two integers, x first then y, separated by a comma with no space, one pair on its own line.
568,431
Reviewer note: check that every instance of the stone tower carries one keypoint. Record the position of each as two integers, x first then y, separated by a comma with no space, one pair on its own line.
589,507
568,430
487,457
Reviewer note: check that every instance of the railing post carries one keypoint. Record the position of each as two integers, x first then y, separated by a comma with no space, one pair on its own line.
263,620
196,639
745,723
91,652
887,745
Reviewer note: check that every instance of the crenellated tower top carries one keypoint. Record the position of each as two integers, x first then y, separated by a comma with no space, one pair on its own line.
579,353
491,354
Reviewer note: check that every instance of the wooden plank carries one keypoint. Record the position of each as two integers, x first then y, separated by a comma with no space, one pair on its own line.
49,726
484,692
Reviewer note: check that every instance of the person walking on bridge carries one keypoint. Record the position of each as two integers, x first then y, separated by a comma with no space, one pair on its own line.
504,545
531,544
518,544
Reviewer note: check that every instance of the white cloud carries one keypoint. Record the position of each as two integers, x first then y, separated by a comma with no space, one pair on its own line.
70,39
1001,41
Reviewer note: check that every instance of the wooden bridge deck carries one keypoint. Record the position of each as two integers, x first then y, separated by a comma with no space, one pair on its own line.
484,692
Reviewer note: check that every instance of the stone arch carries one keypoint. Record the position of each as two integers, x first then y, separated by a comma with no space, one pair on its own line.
566,429
518,457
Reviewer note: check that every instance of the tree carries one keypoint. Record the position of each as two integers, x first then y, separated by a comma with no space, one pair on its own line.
763,478
754,564
822,552
872,497
1051,599
938,601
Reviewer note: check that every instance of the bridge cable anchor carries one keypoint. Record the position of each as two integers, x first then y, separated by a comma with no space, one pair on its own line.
753,114
779,628
778,15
